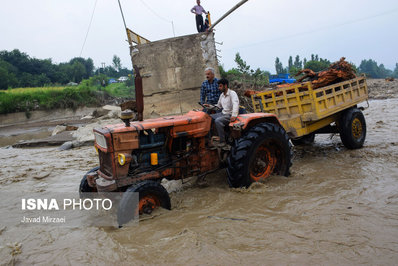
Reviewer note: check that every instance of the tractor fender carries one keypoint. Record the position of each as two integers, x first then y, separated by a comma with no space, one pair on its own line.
246,121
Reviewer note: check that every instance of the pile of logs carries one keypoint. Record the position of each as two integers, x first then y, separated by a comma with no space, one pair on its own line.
336,72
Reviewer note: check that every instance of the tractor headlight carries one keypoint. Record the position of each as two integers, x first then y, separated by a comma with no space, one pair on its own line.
121,158
100,140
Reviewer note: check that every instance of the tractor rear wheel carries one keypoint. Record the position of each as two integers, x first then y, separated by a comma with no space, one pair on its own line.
151,195
263,150
352,127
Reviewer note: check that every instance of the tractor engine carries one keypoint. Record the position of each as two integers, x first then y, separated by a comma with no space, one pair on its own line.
168,147
151,153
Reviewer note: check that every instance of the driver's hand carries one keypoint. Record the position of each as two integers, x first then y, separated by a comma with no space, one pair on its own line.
233,118
206,105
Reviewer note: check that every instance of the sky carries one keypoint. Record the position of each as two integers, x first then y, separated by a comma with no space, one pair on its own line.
259,30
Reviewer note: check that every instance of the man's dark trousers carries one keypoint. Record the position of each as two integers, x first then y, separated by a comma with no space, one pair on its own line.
199,23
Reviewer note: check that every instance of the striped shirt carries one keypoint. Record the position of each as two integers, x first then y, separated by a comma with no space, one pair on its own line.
209,92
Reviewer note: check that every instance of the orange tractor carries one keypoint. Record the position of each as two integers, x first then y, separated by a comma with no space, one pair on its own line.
135,156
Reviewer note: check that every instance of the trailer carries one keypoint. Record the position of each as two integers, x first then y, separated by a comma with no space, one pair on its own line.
304,111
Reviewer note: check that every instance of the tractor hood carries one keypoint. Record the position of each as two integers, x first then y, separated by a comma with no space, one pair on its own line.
195,123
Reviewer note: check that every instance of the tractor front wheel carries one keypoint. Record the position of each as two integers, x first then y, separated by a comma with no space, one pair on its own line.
263,150
151,195
84,186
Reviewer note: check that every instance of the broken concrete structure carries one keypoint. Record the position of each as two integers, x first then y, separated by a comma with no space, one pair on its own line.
173,72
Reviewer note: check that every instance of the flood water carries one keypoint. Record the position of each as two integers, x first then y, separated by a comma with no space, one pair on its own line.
338,206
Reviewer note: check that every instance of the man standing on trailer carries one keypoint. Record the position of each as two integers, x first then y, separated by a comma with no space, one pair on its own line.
198,10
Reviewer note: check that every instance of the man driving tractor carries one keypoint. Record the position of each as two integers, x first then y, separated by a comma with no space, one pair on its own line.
229,103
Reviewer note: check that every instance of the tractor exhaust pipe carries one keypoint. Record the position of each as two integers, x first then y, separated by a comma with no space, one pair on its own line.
139,95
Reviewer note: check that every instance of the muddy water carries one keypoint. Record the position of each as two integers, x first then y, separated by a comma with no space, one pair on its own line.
338,207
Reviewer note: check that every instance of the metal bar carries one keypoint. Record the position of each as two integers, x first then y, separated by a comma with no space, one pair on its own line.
229,12
121,11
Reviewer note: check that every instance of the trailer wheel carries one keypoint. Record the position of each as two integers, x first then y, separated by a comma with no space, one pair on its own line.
352,127
304,140
84,187
151,195
263,150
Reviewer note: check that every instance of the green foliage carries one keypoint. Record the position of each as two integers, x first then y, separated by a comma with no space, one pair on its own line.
244,74
120,90
116,62
293,71
298,64
20,70
278,66
259,78
98,81
290,62
395,73
371,69
317,65
7,76
243,68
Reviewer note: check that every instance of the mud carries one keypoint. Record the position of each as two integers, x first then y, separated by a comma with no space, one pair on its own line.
338,206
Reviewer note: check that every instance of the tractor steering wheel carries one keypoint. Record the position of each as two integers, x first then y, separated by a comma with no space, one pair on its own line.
209,106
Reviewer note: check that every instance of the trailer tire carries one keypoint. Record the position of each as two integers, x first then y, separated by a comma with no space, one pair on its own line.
263,150
352,128
304,140
151,195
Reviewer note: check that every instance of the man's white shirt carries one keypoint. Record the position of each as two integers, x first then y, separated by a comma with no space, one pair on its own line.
229,102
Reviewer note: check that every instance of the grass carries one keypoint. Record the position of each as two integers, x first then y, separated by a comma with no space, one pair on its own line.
33,90
120,90
47,98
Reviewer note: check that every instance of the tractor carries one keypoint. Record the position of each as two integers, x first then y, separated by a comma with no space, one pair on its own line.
135,156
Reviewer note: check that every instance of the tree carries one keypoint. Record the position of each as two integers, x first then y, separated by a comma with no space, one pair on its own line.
88,65
290,62
260,78
297,62
316,65
76,71
278,66
293,71
371,69
7,75
116,63
384,72
395,73
242,66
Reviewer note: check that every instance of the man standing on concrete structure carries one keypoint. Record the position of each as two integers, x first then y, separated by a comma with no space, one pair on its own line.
209,92
229,102
198,10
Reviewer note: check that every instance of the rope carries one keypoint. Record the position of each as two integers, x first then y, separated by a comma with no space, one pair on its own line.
89,26
156,14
